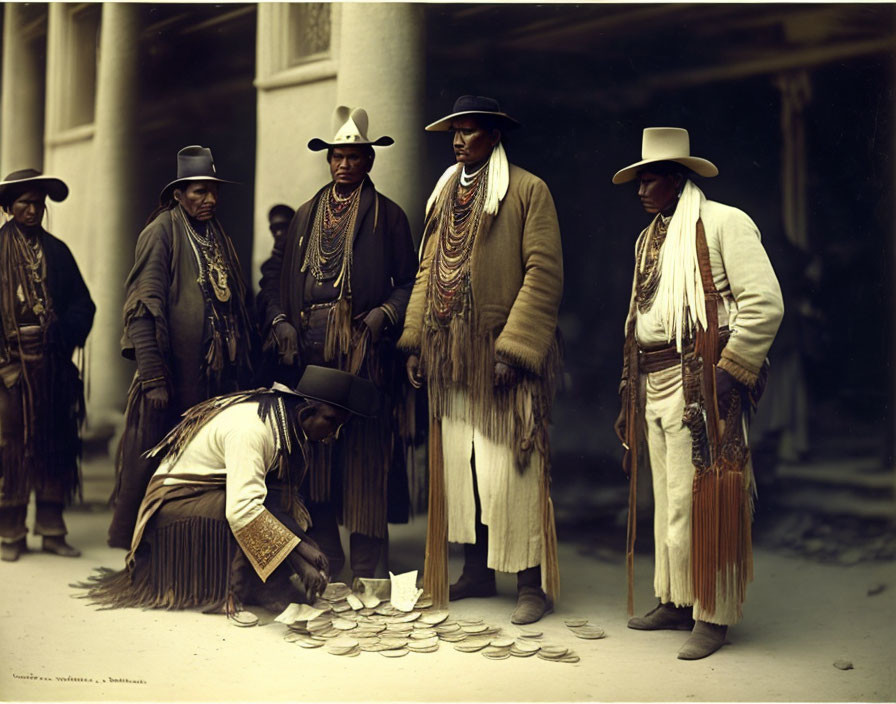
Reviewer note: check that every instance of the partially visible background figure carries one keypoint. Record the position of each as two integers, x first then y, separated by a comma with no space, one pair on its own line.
279,218
222,524
334,293
185,323
705,308
46,313
482,328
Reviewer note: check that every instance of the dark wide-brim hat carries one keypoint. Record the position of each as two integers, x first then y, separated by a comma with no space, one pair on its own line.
339,389
194,163
350,130
20,181
472,106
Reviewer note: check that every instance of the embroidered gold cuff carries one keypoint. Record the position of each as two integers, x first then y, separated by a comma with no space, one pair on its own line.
737,369
266,542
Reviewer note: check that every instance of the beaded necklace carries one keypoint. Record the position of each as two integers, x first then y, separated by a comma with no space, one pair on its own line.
329,252
458,224
649,258
32,289
212,267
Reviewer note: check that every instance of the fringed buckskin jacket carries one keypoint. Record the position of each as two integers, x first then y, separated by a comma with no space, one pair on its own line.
516,275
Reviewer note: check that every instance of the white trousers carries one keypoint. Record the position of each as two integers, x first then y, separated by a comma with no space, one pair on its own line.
669,444
509,500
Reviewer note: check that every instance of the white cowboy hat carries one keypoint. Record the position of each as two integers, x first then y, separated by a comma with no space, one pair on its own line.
666,144
350,127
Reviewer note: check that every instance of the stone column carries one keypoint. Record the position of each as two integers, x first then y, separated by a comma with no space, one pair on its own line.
114,221
381,68
21,144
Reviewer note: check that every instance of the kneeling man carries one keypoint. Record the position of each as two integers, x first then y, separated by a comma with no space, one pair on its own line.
222,524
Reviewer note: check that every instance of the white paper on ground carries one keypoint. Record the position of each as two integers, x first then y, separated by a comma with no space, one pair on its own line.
404,590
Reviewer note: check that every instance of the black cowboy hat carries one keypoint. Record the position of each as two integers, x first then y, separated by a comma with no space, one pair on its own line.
336,388
194,163
19,181
474,105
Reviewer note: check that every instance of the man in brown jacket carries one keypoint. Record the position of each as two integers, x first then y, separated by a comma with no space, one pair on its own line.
704,311
481,328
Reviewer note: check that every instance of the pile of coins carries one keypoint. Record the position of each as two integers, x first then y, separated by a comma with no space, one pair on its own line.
349,624
582,629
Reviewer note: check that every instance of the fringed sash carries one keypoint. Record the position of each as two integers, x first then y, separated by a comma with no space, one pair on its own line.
721,544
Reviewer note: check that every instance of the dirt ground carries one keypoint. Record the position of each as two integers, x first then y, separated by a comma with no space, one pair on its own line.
800,617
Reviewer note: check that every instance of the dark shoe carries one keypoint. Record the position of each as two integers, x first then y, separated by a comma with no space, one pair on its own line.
706,638
531,604
466,586
10,551
56,544
664,617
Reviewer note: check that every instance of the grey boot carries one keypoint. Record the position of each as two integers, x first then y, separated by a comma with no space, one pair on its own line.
664,617
706,638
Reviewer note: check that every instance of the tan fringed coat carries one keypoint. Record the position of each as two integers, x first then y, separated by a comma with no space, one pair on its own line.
516,272
516,277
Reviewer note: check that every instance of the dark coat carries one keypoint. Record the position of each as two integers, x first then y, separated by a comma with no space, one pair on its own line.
163,284
384,261
383,268
72,304
49,393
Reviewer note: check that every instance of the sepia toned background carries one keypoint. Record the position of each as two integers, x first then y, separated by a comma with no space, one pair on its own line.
794,104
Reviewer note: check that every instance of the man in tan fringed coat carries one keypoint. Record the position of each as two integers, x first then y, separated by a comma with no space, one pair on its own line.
705,308
481,327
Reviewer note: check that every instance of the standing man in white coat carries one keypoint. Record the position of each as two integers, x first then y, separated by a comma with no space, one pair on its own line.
705,308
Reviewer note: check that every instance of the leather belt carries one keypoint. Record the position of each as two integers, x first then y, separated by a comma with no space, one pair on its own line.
660,358
657,359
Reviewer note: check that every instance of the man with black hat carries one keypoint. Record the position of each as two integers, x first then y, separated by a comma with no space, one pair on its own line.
222,523
334,293
705,308
481,327
185,323
46,312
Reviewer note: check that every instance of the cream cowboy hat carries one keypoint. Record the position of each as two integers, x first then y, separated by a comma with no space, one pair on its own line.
350,127
666,144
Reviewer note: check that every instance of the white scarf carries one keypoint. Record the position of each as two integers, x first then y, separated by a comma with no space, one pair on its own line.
679,301
496,187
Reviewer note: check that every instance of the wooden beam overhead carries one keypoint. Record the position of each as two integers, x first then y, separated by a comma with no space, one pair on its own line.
772,62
